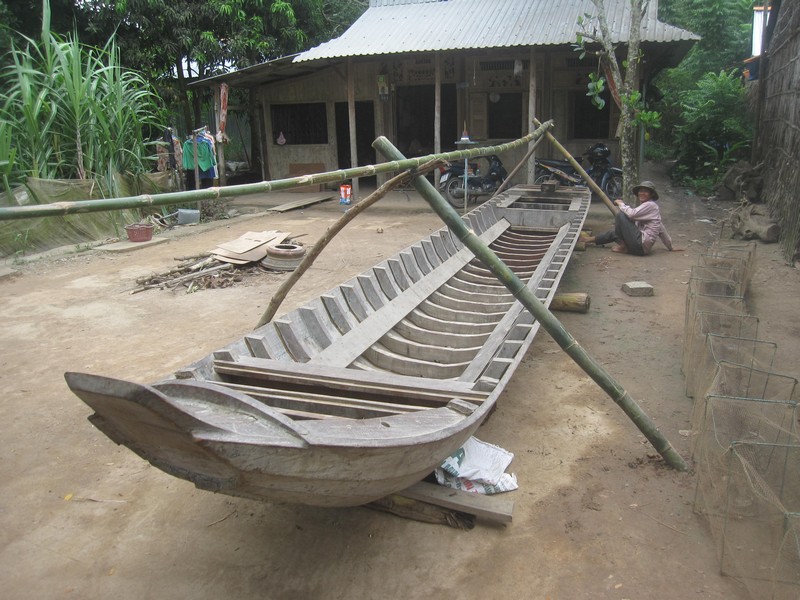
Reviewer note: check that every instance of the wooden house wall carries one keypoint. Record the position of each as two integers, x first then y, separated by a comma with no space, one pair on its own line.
559,77
778,134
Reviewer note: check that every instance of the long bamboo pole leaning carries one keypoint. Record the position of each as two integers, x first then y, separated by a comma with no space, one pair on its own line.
577,166
550,323
8,213
514,171
279,296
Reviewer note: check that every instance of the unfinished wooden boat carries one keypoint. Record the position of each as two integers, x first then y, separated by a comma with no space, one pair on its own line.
365,390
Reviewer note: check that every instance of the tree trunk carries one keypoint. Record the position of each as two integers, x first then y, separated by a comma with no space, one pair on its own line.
625,86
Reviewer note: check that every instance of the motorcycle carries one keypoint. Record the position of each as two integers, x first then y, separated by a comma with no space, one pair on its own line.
451,183
562,171
607,177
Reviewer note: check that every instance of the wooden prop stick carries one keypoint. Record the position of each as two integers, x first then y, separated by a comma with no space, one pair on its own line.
334,229
550,323
576,165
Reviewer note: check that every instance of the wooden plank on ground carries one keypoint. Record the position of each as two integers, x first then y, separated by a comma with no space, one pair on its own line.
492,508
301,202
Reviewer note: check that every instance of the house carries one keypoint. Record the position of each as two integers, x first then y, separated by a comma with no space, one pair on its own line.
420,72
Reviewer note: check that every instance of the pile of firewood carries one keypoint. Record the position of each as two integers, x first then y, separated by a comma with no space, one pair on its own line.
197,273
227,264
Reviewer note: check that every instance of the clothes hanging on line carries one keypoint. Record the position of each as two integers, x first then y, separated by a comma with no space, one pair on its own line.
206,155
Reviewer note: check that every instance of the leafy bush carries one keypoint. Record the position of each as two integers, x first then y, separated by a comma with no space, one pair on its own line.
716,129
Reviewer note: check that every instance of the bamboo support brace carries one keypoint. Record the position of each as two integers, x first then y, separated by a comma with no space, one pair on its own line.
215,193
576,165
552,325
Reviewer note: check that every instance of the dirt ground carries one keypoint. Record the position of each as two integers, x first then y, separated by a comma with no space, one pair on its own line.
596,515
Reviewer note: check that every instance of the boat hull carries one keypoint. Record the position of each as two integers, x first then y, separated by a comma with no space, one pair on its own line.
365,390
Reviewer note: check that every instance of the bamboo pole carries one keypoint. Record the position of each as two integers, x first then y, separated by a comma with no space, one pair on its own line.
576,165
146,200
514,171
279,296
550,323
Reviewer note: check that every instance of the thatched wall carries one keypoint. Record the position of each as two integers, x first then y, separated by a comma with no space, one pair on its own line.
778,138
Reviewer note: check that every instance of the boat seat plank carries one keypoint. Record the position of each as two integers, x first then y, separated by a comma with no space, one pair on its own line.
369,382
323,404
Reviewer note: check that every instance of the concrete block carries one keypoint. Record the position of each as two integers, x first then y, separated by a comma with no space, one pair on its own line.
637,288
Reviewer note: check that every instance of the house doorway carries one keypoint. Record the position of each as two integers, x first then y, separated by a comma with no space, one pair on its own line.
365,135
415,111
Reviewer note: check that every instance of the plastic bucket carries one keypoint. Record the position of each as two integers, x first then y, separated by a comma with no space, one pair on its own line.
188,216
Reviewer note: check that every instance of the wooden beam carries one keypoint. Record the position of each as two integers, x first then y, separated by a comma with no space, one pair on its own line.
498,509
351,120
531,114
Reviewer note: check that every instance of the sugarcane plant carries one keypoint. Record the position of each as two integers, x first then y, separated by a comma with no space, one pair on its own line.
73,112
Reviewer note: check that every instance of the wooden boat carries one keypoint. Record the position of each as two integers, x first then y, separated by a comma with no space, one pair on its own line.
363,391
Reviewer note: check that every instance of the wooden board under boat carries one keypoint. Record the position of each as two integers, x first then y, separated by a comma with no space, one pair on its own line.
363,391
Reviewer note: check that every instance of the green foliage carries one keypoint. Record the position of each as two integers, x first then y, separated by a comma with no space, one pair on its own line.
73,112
596,86
725,28
715,129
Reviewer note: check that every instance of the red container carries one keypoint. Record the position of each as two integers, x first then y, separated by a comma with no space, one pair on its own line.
139,233
345,193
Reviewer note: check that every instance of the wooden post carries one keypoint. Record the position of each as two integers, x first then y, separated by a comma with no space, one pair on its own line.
437,113
351,118
531,113
546,319
219,145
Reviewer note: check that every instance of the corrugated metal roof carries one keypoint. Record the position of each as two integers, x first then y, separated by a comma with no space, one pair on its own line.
399,26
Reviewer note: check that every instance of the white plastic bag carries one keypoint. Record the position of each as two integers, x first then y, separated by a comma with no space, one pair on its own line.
477,467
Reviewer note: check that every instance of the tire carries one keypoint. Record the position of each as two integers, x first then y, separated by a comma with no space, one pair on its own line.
291,251
613,187
452,190
541,179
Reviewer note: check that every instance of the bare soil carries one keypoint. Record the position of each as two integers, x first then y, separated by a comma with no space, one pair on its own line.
597,515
